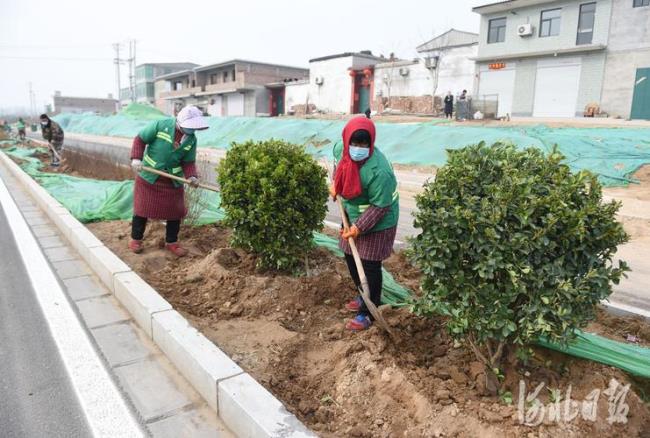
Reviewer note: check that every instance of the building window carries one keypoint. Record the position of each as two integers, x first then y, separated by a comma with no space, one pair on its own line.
497,30
233,75
550,23
225,76
586,23
640,3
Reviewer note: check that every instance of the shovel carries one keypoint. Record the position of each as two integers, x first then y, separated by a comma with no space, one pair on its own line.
179,179
365,289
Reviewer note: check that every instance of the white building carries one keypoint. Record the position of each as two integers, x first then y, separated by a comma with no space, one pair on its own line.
341,83
446,65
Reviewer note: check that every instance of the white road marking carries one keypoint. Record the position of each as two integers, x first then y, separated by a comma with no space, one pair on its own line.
105,410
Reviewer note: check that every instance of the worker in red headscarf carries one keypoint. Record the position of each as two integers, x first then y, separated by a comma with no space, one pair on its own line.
367,185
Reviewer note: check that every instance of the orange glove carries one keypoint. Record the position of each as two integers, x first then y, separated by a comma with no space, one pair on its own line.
333,192
353,232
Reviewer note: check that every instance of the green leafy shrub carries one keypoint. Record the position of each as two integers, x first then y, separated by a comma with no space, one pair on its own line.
514,246
274,196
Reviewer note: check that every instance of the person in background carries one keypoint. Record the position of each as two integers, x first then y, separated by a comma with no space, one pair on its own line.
367,185
21,128
168,145
53,133
449,105
462,107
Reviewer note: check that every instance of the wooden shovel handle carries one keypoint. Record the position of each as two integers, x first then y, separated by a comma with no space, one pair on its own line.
179,179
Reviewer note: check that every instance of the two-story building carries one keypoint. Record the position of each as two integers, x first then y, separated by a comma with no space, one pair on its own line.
543,58
626,88
232,88
145,77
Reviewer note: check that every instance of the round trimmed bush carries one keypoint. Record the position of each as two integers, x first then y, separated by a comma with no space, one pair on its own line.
514,247
275,196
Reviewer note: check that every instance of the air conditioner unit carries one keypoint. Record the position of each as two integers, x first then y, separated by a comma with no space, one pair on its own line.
319,80
404,71
525,30
431,62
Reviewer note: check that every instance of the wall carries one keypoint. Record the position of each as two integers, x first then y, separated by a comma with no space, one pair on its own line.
162,104
628,49
63,104
515,44
334,94
296,94
455,73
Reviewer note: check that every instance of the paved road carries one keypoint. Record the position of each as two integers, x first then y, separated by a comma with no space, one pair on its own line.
36,396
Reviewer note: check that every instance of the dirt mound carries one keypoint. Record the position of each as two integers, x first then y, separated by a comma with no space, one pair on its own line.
288,332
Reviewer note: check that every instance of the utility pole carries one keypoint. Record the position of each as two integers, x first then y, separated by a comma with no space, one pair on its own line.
131,61
32,101
117,61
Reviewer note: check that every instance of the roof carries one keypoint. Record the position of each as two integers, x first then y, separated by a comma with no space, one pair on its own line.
363,54
451,38
243,61
507,5
176,74
183,65
86,99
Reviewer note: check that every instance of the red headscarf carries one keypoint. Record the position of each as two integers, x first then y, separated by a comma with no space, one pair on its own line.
347,182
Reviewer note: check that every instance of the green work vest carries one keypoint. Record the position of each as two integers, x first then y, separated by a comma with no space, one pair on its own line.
160,153
379,188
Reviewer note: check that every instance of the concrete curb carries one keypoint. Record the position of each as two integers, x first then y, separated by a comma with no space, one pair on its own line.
244,405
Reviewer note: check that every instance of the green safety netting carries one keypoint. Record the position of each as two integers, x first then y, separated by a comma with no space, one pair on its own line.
612,153
92,200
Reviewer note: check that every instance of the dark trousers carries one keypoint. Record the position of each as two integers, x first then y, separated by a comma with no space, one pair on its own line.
140,223
373,275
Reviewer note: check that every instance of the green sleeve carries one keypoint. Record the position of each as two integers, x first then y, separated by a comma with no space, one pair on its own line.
381,189
190,156
148,134
337,151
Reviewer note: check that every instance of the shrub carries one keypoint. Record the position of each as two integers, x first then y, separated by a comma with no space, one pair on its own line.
275,197
514,246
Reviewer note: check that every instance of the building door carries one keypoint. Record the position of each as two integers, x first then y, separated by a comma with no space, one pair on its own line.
500,83
641,101
361,93
556,89
277,101
235,105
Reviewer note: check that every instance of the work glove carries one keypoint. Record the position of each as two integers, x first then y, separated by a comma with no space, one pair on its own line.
353,232
136,165
194,181
333,192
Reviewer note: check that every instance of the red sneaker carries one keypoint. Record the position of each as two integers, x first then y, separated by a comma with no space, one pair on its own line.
354,305
176,249
136,246
359,323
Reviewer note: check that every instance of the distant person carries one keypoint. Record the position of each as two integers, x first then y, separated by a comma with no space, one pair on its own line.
167,145
21,128
53,133
449,105
462,110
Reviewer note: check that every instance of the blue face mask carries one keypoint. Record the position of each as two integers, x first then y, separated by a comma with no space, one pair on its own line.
358,153
188,131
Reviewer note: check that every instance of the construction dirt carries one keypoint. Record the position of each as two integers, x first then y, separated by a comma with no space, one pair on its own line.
288,332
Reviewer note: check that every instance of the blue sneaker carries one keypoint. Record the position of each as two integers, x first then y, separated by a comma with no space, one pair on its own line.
359,323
